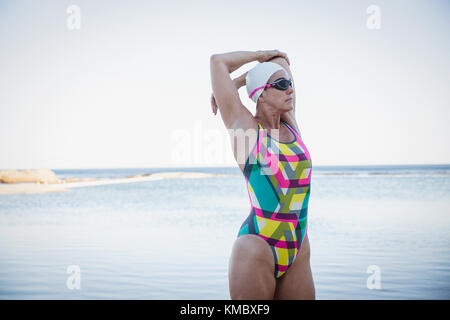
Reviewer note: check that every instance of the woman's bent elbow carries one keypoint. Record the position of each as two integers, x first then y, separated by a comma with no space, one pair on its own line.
214,58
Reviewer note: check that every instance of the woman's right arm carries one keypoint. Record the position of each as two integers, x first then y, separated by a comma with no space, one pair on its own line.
238,82
225,91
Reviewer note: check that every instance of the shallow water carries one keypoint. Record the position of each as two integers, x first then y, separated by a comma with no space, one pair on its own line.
171,239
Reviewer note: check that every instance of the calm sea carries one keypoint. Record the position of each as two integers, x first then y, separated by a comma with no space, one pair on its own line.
171,239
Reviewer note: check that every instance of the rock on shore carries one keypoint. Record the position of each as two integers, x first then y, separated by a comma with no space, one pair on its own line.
43,176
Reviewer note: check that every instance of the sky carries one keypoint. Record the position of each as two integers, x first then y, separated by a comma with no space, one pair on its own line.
121,84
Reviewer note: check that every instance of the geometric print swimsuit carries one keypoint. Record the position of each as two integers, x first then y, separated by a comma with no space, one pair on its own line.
278,177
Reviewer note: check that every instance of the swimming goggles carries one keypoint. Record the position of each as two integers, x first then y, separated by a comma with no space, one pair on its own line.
280,84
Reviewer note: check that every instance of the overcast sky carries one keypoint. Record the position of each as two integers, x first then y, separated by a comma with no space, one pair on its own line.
131,87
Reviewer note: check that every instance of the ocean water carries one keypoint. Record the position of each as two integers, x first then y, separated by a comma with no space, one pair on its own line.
172,239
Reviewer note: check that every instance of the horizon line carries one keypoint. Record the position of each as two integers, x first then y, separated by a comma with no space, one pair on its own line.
202,167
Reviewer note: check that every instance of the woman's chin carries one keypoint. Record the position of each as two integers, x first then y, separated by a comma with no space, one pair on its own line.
289,107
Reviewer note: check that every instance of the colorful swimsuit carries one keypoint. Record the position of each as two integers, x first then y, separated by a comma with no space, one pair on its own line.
278,179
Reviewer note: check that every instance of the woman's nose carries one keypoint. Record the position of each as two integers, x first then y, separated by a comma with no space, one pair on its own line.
289,90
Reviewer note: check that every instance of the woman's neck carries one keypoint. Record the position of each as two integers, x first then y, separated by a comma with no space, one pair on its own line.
269,122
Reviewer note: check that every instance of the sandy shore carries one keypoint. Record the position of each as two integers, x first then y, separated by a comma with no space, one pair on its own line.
26,188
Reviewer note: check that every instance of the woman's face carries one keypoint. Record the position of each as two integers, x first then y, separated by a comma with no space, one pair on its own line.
281,100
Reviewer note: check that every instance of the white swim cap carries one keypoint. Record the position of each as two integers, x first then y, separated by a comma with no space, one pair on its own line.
258,76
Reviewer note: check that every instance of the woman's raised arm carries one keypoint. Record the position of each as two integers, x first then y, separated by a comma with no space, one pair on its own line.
238,82
225,91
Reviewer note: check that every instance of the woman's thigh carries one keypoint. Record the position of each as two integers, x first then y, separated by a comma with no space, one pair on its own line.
251,269
297,282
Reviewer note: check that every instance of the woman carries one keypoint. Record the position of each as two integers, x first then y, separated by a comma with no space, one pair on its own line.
271,256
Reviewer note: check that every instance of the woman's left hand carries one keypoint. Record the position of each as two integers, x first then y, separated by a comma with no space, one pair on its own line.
266,55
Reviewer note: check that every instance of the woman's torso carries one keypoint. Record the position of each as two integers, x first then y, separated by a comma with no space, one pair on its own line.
278,171
278,177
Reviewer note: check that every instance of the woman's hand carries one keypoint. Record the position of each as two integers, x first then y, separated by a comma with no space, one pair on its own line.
265,55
